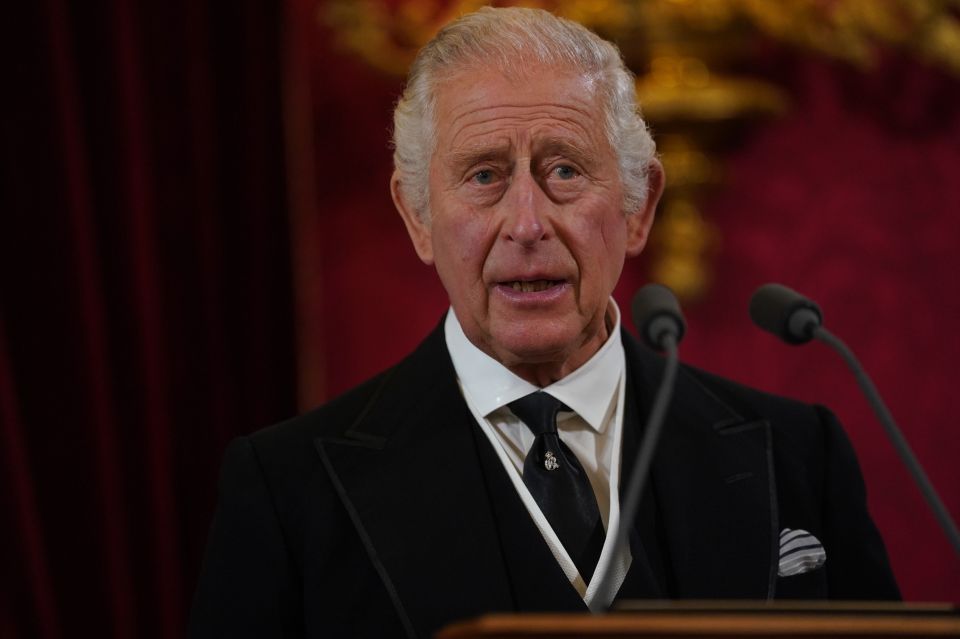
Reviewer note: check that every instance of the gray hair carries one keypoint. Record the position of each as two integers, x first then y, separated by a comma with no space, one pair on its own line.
507,37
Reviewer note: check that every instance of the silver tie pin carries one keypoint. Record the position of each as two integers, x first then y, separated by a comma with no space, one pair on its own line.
550,461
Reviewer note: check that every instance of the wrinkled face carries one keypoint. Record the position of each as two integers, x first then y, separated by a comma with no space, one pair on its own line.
526,226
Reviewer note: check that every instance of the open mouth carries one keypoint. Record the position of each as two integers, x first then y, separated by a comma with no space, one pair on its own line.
533,286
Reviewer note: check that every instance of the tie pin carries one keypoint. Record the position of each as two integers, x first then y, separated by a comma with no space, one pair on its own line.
550,462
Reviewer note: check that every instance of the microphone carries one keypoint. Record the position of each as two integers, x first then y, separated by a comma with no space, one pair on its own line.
656,314
658,319
796,319
785,313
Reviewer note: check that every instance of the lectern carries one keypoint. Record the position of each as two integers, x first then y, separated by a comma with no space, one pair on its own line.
722,619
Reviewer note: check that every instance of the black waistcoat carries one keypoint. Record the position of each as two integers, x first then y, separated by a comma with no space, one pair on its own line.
537,583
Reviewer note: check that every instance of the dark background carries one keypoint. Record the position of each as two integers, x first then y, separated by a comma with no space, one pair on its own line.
187,255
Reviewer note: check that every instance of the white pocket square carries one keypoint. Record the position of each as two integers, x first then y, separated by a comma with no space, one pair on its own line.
800,552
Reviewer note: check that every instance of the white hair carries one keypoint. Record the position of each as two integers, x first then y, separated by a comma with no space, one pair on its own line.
507,38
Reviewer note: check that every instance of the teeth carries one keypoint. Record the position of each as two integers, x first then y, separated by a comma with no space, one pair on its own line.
531,287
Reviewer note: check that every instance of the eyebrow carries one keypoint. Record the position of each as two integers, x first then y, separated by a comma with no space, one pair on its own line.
462,160
564,148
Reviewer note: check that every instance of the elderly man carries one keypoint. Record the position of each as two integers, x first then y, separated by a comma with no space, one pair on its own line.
483,472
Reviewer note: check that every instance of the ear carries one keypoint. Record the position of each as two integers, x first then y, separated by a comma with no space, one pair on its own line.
417,228
640,221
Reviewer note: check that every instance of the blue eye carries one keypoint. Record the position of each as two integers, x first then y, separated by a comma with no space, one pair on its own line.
483,177
565,172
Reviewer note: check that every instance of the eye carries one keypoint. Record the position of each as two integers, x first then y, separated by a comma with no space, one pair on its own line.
484,176
565,172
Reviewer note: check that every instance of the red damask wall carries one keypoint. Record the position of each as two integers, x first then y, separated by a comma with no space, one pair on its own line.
852,198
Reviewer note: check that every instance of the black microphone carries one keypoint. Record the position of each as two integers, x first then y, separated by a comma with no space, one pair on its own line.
785,313
796,320
657,316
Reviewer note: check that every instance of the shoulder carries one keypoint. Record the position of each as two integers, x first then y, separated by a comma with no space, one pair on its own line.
801,433
289,447
327,420
797,427
753,403
750,403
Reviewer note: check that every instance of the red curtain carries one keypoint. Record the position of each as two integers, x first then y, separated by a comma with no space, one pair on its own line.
852,198
146,313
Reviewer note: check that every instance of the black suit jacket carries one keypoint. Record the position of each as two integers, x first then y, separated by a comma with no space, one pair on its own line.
383,513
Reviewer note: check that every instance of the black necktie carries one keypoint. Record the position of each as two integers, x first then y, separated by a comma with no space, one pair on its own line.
559,484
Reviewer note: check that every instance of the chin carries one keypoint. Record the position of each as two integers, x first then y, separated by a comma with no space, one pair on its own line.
537,346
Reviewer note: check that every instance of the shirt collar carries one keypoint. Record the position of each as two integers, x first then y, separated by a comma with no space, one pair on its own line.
587,390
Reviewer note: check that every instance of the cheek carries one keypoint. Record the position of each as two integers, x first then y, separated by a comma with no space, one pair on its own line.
600,238
461,244
614,236
615,241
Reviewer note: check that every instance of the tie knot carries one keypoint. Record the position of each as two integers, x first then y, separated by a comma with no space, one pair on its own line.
538,411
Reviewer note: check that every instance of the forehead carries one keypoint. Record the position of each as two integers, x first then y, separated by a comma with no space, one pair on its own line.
480,106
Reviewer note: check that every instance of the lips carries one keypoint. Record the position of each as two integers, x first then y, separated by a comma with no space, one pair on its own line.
532,286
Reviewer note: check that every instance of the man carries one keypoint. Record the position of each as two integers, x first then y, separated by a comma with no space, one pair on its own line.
483,472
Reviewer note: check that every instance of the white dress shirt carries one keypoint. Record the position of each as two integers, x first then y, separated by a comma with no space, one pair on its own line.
593,432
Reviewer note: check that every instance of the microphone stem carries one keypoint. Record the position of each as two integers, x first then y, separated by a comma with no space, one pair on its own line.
899,441
641,470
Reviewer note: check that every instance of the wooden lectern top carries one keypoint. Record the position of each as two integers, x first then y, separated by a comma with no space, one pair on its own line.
663,620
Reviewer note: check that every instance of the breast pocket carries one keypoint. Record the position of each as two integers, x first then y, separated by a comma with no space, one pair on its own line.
808,585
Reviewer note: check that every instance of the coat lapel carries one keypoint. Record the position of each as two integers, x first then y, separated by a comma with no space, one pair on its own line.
715,490
408,473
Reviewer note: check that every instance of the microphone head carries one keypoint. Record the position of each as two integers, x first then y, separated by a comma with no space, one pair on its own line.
656,313
785,313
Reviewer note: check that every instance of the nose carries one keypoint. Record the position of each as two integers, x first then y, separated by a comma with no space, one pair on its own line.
526,222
